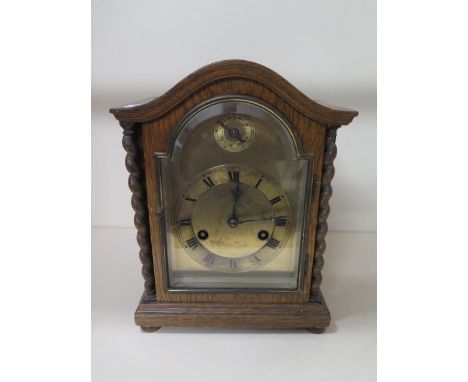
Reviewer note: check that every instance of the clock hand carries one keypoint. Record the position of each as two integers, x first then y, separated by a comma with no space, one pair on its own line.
236,193
255,220
233,221
233,132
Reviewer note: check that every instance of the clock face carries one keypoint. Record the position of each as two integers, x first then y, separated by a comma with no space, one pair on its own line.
234,196
234,133
233,219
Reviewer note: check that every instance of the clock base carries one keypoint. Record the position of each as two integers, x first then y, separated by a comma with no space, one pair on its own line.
313,316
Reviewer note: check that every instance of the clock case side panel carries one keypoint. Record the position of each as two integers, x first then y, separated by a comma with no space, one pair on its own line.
158,135
134,162
328,171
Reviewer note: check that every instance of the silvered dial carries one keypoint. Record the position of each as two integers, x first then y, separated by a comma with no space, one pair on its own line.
233,219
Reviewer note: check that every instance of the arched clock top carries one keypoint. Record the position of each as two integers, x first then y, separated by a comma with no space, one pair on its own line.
249,115
231,70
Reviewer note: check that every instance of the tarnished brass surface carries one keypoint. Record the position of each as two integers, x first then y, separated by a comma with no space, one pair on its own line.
245,215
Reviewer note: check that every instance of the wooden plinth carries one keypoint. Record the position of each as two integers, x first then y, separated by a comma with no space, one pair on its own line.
313,315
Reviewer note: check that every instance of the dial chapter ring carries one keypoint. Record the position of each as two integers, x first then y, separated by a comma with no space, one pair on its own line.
208,207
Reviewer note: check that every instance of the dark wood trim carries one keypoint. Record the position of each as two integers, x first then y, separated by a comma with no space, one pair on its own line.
328,171
131,142
314,315
234,69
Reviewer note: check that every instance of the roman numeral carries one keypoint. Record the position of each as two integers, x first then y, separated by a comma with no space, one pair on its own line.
234,176
185,222
190,199
257,259
275,200
280,221
192,243
209,259
208,181
233,264
272,243
258,183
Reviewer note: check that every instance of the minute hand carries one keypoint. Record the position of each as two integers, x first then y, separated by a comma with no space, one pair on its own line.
236,194
255,220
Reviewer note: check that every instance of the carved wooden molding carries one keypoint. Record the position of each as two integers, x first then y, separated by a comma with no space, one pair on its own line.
234,69
136,183
328,171
156,314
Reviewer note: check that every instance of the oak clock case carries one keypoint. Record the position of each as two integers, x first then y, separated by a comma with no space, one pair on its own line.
230,175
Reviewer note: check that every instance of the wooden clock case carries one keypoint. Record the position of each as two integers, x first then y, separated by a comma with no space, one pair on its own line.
150,128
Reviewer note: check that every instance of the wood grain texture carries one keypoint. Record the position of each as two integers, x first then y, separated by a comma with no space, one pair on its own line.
308,315
234,69
131,142
328,171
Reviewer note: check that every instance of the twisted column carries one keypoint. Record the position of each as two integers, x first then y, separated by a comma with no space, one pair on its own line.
136,183
324,208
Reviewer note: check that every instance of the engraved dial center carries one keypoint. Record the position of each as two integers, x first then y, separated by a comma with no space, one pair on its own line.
213,212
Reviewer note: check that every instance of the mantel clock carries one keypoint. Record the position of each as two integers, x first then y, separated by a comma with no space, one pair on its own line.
230,172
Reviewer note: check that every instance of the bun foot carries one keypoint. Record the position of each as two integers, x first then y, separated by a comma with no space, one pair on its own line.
149,329
316,330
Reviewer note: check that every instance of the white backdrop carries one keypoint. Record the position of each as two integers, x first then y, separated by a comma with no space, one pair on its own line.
326,48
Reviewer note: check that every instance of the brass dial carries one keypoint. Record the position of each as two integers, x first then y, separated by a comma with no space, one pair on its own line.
234,133
233,218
